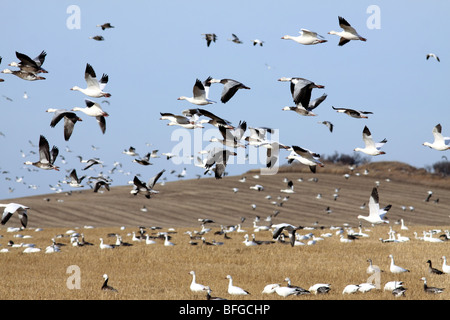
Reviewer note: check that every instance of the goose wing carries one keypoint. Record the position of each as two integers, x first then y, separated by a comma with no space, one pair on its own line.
346,26
199,89
91,77
153,180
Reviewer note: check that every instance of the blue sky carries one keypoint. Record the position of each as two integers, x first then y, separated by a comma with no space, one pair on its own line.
156,52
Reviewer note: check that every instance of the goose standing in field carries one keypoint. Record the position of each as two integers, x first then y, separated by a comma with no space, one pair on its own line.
394,268
290,188
230,87
209,297
428,289
371,268
209,37
94,87
287,291
47,157
399,292
319,288
196,287
200,96
93,109
70,118
106,25
105,286
300,290
301,90
433,270
376,215
270,288
306,37
167,242
371,148
440,142
235,290
306,157
12,208
29,65
348,33
353,113
432,55
445,266
351,288
105,246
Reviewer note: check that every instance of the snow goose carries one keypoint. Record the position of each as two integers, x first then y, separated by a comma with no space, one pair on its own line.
445,266
392,285
94,87
70,118
145,161
300,290
75,182
432,55
433,270
301,90
209,37
366,287
279,228
10,209
394,268
200,96
104,246
306,37
232,137
306,157
440,142
106,25
235,39
146,188
93,109
287,291
182,121
213,119
97,38
307,111
428,289
47,157
399,292
167,242
348,33
403,226
270,288
235,290
320,288
350,288
196,287
371,268
209,297
371,148
290,188
218,157
29,76
352,112
230,87
29,65
105,286
328,124
376,215
257,42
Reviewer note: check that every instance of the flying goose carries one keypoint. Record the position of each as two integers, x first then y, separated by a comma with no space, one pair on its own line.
278,229
200,94
105,286
74,180
93,109
306,37
376,215
29,65
182,121
257,42
440,142
70,118
29,76
371,148
328,124
348,33
10,209
428,289
214,120
353,113
196,287
306,111
146,188
232,137
306,157
131,151
145,161
106,25
230,87
235,39
218,157
94,87
432,55
46,157
209,37
301,91
97,38
91,162
394,268
433,270
235,290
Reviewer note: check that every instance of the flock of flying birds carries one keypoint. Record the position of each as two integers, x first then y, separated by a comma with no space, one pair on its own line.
233,136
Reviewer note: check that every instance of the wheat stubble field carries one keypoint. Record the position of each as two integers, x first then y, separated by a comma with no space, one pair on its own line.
157,272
